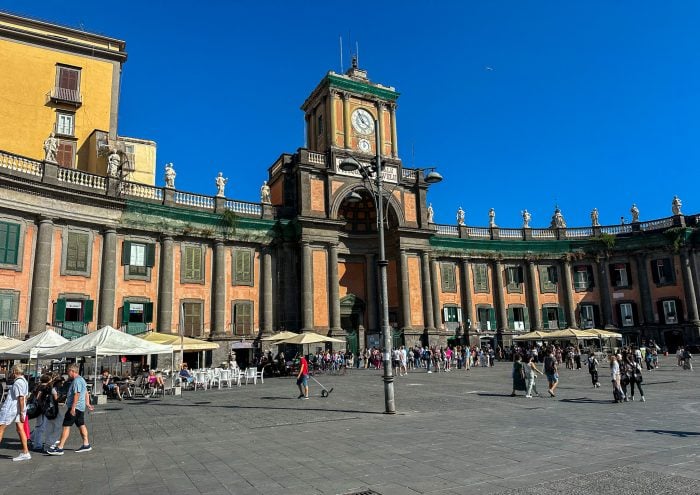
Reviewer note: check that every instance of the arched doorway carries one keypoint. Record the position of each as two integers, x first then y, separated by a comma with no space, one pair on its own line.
352,315
673,340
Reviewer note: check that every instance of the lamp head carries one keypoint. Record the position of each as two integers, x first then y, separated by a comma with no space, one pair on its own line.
353,198
349,165
433,177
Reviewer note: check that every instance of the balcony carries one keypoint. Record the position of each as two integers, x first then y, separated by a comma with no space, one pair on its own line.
66,96
10,329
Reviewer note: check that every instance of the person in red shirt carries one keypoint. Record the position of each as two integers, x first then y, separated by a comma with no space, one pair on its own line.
303,379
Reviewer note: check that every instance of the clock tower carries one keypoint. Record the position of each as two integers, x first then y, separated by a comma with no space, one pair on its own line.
342,111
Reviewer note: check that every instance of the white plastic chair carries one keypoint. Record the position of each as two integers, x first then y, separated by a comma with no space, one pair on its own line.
259,375
251,374
225,378
201,380
215,378
236,376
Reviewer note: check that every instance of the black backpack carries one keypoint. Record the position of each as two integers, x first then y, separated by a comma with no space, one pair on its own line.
49,404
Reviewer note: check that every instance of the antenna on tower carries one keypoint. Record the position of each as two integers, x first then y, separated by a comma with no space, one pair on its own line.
341,54
357,53
413,155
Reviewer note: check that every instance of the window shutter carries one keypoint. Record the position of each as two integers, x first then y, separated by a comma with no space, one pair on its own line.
9,242
591,277
670,272
126,252
628,269
635,317
655,271
562,318
60,310
545,318
679,311
445,315
459,315
148,312
150,255
526,318
492,318
72,252
125,313
596,316
660,310
511,318
87,310
618,313
542,270
197,263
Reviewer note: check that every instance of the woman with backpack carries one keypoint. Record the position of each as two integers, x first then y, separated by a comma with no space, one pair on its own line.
593,370
615,376
47,396
635,377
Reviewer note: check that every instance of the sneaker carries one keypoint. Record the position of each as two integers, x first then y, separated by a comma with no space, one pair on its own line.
305,398
529,396
632,399
55,450
301,396
22,457
643,399
84,448
429,371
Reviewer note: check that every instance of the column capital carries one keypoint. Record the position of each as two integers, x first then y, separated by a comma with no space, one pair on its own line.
109,230
43,219
163,236
344,95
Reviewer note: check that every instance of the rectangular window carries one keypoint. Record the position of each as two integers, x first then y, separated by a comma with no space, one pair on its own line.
481,278
9,243
139,257
514,278
553,317
670,314
192,318
451,314
243,318
583,277
65,154
486,322
449,280
8,305
662,271
548,278
626,315
243,267
67,84
77,252
619,275
192,264
65,123
518,317
587,316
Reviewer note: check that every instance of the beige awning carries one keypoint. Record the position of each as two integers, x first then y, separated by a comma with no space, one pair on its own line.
188,344
280,336
310,338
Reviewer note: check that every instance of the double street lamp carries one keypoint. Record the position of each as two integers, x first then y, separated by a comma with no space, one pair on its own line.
373,183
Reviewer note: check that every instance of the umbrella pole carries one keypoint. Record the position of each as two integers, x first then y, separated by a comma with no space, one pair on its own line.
94,390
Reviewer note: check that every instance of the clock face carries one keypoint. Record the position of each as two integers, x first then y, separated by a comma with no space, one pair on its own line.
363,145
362,121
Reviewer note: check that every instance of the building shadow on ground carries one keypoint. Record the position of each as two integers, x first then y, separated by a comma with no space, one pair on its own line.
586,400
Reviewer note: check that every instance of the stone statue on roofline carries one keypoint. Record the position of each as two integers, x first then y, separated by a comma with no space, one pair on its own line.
220,184
50,148
169,176
431,213
635,213
460,216
557,220
113,163
265,193
594,218
526,219
492,218
676,205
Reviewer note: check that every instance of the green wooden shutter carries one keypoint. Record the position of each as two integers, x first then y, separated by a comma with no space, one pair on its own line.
669,271
60,310
492,318
545,319
6,307
596,317
9,242
628,269
511,318
526,318
126,252
562,317
148,312
87,310
125,314
591,277
150,255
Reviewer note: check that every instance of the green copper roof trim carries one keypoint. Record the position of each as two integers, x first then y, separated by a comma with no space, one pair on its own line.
362,88
202,217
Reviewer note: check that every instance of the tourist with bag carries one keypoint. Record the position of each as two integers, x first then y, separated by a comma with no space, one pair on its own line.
518,375
635,378
14,410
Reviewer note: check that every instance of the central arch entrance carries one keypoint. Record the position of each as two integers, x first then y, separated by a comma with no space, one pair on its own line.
352,315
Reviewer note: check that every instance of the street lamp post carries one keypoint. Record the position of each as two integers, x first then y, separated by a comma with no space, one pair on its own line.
376,189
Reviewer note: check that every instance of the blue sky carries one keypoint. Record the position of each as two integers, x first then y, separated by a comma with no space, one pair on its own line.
589,103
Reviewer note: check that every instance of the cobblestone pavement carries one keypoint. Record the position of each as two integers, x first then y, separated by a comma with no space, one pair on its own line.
455,433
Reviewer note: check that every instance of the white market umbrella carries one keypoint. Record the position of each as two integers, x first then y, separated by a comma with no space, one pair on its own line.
35,347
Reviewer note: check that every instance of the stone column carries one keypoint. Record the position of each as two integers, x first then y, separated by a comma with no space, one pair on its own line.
533,297
690,297
467,303
346,121
165,286
372,297
108,279
380,123
569,294
434,283
331,118
333,289
218,289
696,276
307,295
644,290
394,140
605,302
41,278
427,292
498,296
405,295
266,291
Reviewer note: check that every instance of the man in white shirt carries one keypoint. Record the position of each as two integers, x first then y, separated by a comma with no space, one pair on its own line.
14,410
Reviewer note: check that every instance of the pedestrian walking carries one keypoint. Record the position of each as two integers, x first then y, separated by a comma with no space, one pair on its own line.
593,370
618,394
635,377
303,379
76,402
687,360
518,375
14,410
44,396
531,373
550,370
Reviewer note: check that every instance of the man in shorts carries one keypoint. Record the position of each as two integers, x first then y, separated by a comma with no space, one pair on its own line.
550,369
76,401
303,379
14,410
